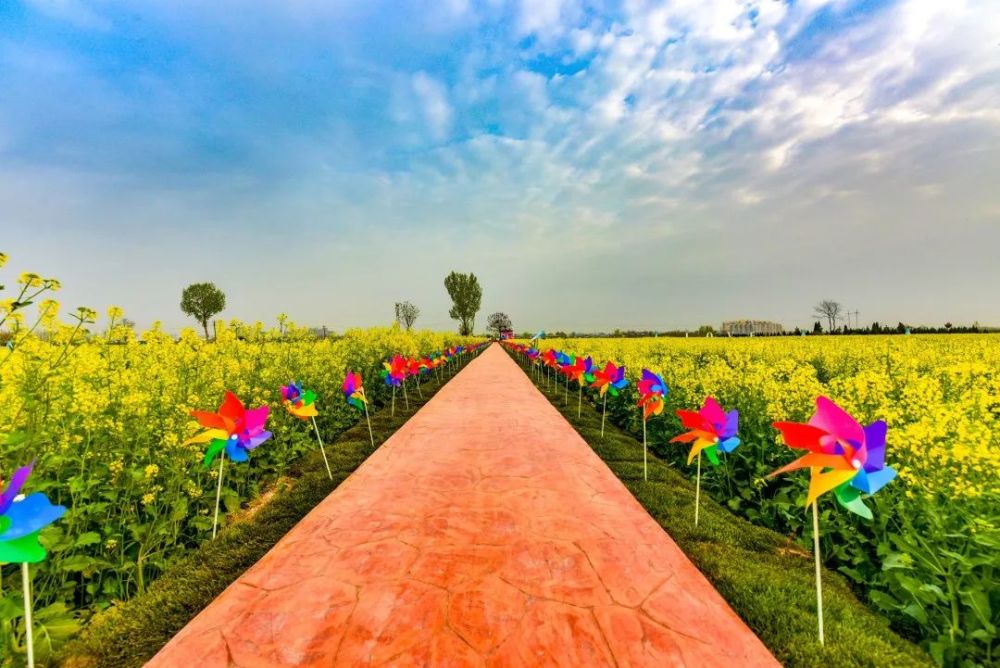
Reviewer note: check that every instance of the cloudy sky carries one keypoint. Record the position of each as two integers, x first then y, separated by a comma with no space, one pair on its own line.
596,164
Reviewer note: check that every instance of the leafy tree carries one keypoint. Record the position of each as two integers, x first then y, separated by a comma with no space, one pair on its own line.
498,323
202,301
466,297
830,310
706,330
406,314
817,327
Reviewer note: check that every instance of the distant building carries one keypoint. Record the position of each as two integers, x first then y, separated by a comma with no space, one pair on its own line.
751,328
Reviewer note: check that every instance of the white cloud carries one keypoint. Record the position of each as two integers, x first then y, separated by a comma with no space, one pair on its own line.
433,96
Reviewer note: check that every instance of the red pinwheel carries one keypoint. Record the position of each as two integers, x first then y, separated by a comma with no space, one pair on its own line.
232,431
711,430
609,380
354,394
842,456
652,390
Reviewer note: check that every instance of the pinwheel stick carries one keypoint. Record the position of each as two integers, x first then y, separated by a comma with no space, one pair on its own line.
405,396
420,392
218,494
566,396
604,414
697,490
579,402
645,470
819,581
393,413
369,421
28,632
322,449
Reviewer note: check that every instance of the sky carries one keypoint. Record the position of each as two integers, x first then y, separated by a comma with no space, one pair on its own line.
597,165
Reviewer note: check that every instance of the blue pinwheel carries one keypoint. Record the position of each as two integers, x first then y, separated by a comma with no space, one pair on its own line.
21,518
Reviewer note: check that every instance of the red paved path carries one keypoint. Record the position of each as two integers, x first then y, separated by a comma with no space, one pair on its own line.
484,532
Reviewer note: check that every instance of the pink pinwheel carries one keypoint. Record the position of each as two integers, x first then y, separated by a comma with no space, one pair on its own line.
354,394
652,390
711,430
842,455
235,431
609,380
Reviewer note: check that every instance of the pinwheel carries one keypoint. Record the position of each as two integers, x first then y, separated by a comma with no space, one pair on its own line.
394,373
652,391
533,355
609,380
302,404
551,361
354,394
843,457
566,363
582,372
233,431
21,519
414,367
711,430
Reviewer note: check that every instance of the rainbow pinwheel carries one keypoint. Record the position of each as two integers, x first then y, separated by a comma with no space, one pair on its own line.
394,371
711,430
233,429
652,391
302,404
21,518
299,403
842,455
354,391
354,394
610,379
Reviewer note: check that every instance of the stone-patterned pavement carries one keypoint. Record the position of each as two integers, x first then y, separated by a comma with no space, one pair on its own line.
485,532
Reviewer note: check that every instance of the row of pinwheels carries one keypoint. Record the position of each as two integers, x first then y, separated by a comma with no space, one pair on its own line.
842,455
232,431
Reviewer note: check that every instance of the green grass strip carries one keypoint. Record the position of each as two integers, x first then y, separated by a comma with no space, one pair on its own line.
130,633
766,578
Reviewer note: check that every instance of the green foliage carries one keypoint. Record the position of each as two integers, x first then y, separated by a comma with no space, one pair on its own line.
131,632
466,297
766,577
202,301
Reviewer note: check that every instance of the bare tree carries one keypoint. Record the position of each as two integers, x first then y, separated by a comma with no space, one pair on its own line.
830,310
406,314
498,323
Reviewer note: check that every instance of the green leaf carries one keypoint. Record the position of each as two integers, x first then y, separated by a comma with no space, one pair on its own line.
179,510
979,602
88,538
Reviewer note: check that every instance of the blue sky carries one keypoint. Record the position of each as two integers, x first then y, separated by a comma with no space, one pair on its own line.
598,165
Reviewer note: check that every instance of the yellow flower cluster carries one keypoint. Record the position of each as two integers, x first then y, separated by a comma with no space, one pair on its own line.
940,395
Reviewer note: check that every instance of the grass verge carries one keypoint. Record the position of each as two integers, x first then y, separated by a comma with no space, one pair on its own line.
766,578
130,633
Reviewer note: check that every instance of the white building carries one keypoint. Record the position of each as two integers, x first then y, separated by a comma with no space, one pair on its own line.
751,328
